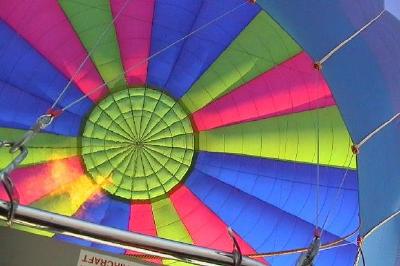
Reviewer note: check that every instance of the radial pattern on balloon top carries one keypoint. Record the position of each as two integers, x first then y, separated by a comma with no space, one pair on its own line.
138,144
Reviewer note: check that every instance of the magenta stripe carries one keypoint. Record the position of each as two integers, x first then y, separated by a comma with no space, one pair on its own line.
44,25
205,227
133,29
37,181
141,221
294,86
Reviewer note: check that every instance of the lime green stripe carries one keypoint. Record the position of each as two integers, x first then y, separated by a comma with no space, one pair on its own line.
44,147
169,225
292,137
90,18
261,45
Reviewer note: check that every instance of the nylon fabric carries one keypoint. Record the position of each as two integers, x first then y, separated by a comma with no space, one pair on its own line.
178,68
285,184
288,138
375,88
264,97
90,19
262,45
249,216
47,30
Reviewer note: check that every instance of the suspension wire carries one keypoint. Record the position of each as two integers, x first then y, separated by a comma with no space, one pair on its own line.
333,244
318,64
370,232
383,222
121,75
337,193
318,176
356,147
95,46
317,219
362,255
326,246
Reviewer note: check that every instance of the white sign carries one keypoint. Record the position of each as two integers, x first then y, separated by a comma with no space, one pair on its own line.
89,258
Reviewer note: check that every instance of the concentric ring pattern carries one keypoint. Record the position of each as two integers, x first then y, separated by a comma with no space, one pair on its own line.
238,128
138,144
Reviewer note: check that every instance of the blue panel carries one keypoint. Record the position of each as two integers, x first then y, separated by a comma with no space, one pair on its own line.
23,67
383,246
104,210
338,256
290,187
374,97
178,68
263,226
318,26
116,216
19,109
173,19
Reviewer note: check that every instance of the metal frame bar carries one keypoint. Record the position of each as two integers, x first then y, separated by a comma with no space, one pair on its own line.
60,224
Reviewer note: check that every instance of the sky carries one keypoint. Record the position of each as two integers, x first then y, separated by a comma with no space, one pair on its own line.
394,7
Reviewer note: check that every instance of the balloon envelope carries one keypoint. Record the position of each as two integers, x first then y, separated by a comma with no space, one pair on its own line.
212,115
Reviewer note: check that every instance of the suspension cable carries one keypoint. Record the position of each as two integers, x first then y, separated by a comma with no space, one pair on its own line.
329,245
319,64
121,75
95,46
45,120
318,174
383,222
337,193
356,147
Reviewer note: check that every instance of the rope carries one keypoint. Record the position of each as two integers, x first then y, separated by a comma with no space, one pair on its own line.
356,148
318,177
362,256
319,63
337,193
388,219
329,245
121,75
97,43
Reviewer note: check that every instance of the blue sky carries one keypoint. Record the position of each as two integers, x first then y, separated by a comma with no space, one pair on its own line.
394,7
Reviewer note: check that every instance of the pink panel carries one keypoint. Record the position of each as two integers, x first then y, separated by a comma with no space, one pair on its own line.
37,181
141,221
44,25
204,227
133,28
293,86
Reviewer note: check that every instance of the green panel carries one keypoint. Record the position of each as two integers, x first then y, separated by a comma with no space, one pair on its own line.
140,142
44,147
292,137
261,45
169,225
90,18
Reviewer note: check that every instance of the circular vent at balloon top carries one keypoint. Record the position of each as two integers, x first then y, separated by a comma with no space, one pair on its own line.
138,144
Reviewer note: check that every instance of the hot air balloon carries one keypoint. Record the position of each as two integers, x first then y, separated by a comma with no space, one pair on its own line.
179,119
